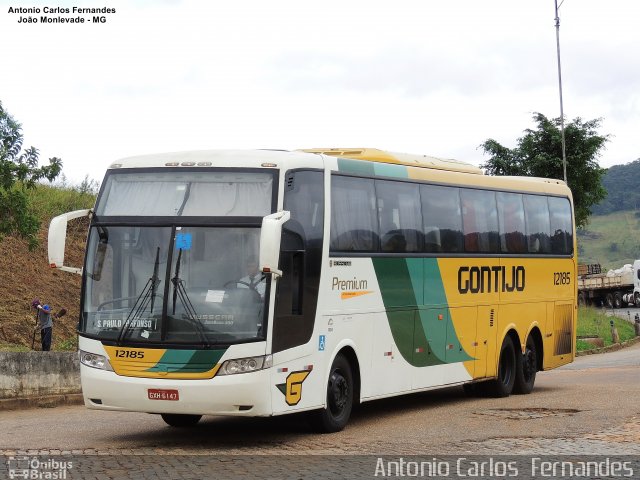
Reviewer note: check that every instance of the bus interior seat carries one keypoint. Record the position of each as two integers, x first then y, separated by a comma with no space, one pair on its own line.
357,240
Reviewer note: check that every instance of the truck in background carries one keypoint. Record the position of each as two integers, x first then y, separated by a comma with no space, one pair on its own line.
614,289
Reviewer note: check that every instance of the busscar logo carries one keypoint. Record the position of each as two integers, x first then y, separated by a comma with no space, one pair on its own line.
292,389
339,263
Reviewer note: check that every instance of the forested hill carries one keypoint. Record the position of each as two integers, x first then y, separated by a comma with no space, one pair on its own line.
622,183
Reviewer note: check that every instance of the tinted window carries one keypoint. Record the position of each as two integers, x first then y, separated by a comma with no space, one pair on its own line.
537,218
354,221
399,216
561,226
305,202
441,218
480,221
512,226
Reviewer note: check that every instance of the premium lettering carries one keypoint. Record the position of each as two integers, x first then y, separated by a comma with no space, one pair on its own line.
355,284
491,279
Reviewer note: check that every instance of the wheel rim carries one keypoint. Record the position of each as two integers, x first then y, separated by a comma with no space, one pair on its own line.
338,393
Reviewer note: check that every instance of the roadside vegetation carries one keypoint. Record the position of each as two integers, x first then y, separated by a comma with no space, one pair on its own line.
593,322
610,240
27,274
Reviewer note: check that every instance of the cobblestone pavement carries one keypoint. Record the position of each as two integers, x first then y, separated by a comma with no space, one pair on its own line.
587,408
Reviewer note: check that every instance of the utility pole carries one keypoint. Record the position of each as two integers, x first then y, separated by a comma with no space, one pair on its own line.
564,150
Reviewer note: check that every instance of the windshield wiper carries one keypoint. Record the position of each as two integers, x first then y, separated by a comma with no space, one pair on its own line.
146,297
180,292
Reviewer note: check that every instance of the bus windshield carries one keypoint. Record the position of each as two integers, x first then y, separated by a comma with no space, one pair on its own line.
186,193
174,284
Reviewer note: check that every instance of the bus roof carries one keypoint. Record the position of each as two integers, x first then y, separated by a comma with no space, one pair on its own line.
375,155
420,167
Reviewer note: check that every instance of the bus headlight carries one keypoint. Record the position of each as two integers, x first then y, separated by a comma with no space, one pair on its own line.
94,360
245,365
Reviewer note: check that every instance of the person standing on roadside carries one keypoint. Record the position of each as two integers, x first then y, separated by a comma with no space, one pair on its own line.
45,322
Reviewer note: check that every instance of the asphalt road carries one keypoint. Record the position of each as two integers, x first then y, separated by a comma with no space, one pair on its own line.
590,406
628,313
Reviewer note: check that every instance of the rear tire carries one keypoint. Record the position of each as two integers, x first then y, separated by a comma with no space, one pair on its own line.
608,300
503,385
180,420
617,300
636,299
526,368
335,416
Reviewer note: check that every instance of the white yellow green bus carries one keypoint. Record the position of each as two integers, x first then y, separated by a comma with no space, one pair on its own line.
260,283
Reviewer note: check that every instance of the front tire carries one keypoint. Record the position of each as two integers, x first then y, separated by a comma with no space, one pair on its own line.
180,420
335,416
503,385
526,368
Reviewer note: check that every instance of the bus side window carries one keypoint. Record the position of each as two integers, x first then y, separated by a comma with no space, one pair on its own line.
354,224
512,225
562,237
432,239
536,212
441,218
480,221
399,216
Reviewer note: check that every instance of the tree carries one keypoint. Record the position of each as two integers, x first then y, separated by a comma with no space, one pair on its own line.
19,171
539,154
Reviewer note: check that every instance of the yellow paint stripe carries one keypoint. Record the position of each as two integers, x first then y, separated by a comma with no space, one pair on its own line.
348,295
137,367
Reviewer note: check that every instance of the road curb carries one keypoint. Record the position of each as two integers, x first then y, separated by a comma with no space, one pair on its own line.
610,348
46,401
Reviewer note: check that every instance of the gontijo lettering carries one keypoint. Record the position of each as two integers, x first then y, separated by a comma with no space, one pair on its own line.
491,279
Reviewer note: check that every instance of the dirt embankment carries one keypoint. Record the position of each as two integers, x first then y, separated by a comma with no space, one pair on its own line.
25,275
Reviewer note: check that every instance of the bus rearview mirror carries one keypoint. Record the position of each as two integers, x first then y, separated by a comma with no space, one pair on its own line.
57,238
270,236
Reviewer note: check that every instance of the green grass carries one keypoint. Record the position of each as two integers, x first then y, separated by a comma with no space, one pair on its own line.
610,240
12,347
49,201
593,322
68,345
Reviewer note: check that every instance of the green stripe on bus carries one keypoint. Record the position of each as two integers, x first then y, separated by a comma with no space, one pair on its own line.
372,169
387,170
188,361
414,298
347,165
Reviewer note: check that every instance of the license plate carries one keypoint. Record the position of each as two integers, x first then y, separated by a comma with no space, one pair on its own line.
161,394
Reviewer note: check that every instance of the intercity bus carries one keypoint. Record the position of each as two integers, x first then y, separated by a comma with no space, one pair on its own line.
260,283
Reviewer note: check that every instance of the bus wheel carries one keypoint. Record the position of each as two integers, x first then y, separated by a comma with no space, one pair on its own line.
636,299
180,420
581,300
526,368
503,385
335,416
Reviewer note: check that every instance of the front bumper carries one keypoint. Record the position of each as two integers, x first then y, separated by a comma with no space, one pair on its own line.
245,394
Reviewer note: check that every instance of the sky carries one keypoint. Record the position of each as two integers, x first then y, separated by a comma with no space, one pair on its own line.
415,76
